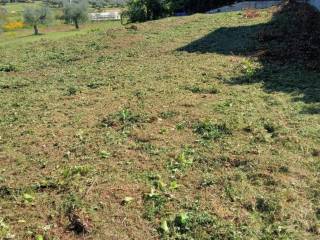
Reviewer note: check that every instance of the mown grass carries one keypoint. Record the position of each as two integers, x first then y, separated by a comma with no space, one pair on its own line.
118,134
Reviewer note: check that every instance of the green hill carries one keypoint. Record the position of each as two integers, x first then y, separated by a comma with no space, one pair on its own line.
171,129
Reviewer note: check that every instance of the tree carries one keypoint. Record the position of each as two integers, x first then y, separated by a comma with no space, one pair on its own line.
75,11
35,16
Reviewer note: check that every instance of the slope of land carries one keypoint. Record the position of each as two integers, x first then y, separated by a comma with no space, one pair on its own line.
170,130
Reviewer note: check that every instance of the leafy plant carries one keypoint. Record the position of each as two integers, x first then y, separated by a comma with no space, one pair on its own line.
248,69
198,89
7,68
123,119
265,205
4,229
211,131
164,227
183,160
72,91
168,114
81,170
181,220
39,237
104,154
28,197
154,203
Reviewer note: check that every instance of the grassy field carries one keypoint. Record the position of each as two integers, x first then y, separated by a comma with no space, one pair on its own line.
54,30
15,10
170,130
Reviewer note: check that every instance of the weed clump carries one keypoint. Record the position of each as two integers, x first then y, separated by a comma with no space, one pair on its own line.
199,225
81,170
7,68
264,205
202,90
123,119
4,230
168,114
154,203
78,222
211,131
183,160
71,91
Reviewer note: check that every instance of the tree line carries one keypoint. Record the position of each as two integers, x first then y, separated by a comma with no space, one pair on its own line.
76,11
144,10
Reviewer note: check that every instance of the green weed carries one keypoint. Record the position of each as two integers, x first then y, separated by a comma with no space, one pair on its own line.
7,68
80,170
168,114
198,89
211,131
183,160
71,91
123,119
